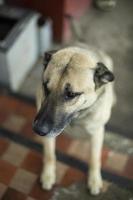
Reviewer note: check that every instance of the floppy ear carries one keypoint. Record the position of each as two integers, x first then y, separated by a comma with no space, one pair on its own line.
47,57
102,75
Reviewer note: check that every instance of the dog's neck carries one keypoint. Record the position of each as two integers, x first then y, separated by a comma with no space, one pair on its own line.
100,91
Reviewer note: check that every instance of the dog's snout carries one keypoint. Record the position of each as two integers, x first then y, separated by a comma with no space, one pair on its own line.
46,129
40,129
42,124
48,120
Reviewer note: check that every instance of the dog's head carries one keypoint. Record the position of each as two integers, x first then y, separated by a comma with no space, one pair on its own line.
69,84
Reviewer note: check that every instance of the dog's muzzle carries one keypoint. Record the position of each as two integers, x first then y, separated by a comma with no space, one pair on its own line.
40,130
45,124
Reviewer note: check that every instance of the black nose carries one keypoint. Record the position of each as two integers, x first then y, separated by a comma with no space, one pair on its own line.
39,129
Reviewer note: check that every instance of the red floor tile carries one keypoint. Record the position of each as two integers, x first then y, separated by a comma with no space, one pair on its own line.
27,130
13,105
40,194
128,171
72,175
9,104
7,171
33,162
27,110
12,194
3,146
3,116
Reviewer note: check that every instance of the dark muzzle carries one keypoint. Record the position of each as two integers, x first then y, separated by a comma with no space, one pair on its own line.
43,122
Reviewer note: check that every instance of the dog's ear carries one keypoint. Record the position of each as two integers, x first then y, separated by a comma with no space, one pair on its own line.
47,57
102,75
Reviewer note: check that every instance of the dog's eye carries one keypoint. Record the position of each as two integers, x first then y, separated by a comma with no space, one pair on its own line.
46,90
71,95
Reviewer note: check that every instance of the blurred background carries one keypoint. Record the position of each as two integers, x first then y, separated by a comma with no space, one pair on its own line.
28,28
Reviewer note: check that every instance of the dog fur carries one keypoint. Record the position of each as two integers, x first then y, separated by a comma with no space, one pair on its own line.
75,94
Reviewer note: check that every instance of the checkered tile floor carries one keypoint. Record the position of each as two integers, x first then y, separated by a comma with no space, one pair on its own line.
20,165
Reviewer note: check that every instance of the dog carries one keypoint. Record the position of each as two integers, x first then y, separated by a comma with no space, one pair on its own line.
76,94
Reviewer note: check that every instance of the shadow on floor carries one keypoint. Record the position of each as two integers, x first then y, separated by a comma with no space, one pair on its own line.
79,191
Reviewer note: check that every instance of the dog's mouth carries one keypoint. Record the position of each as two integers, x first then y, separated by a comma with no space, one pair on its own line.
51,133
50,130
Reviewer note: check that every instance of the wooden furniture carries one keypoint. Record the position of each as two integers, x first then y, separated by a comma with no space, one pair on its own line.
56,9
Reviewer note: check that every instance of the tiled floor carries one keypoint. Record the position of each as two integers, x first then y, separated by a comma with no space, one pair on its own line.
20,165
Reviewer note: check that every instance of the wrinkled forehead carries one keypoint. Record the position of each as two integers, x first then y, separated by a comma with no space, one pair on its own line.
70,65
76,57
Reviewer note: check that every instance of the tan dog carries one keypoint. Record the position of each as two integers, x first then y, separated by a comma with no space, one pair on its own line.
75,94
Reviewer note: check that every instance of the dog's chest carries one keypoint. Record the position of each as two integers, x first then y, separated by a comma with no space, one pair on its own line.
77,131
81,128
